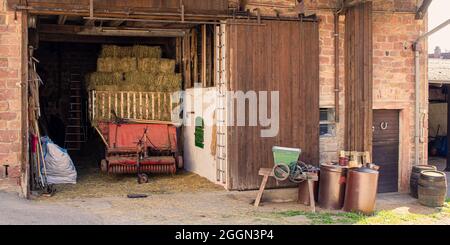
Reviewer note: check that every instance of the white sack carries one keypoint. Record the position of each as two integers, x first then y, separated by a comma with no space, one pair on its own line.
59,165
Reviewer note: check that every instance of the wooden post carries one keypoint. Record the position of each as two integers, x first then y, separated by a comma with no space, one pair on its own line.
204,55
312,202
448,127
358,82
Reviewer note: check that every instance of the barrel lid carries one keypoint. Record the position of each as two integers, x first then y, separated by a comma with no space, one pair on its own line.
331,167
366,170
419,168
433,174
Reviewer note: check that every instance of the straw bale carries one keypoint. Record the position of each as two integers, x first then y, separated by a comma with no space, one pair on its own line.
156,65
116,64
103,78
137,51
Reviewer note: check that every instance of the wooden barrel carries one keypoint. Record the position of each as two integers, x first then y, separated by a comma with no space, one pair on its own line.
432,188
415,175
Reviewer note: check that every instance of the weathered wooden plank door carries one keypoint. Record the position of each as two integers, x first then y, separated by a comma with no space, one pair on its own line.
277,56
386,140
358,78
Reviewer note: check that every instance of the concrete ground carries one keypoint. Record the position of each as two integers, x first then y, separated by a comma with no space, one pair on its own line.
187,198
208,207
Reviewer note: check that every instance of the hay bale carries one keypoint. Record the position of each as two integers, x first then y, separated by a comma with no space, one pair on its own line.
142,81
141,51
169,82
96,79
114,51
116,64
152,82
137,51
156,65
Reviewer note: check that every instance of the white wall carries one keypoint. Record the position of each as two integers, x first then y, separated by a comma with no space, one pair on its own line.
196,159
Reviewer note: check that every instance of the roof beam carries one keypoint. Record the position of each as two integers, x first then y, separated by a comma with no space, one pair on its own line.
423,9
116,23
73,38
351,3
89,22
109,31
62,19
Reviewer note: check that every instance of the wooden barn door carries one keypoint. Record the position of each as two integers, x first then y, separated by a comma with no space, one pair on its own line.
276,56
386,140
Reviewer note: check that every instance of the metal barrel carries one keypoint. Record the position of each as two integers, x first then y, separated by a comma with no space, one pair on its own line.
414,179
361,191
432,188
332,186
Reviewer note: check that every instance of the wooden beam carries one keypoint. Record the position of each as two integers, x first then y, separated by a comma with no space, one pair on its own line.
194,9
116,23
89,22
352,3
358,78
108,31
74,38
62,19
423,8
447,168
203,74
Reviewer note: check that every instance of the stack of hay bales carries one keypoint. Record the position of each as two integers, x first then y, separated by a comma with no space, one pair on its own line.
134,69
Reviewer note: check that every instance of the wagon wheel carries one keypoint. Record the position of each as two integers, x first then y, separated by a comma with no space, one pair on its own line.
104,166
281,171
142,178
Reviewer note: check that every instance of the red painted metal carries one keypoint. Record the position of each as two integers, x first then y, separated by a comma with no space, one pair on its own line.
122,147
122,136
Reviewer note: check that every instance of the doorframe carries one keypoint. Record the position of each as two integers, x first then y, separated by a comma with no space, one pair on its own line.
404,161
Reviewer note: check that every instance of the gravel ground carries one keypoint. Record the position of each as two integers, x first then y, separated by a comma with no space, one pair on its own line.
209,207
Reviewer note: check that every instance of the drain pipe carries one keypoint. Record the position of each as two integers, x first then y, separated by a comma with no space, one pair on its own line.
417,50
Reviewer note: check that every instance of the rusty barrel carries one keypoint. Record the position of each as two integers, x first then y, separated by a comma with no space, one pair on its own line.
361,190
432,188
414,179
332,186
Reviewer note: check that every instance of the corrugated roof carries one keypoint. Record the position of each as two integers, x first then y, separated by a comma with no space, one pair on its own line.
439,70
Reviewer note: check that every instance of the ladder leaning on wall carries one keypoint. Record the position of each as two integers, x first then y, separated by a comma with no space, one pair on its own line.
75,134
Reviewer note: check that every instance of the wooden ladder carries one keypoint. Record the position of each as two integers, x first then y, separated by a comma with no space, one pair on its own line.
75,134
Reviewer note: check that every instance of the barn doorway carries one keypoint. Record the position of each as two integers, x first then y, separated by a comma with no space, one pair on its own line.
91,85
386,140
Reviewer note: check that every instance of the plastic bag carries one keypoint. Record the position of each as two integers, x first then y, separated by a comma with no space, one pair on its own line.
59,166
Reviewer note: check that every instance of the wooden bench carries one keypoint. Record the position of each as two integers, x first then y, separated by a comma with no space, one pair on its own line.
268,172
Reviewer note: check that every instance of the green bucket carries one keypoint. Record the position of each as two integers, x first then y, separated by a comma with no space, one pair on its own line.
288,156
284,158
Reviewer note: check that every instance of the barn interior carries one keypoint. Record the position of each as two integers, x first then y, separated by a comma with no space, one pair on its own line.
70,50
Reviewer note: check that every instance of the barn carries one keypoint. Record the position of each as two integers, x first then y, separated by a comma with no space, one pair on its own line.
334,75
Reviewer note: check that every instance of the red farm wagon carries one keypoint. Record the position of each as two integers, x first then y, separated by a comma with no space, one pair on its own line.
139,146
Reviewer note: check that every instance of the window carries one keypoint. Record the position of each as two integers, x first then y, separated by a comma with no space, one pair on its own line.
327,122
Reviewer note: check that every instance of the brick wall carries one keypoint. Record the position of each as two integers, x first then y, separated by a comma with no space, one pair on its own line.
394,80
10,95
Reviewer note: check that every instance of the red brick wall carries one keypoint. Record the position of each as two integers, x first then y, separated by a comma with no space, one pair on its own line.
394,80
10,95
